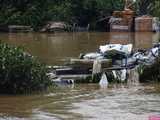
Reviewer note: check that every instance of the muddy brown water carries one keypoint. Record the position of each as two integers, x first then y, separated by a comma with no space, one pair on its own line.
55,48
84,101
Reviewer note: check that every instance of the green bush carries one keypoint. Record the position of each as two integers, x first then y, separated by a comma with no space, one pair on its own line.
37,12
20,72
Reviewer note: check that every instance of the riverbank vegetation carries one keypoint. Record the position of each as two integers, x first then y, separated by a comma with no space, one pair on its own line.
20,72
36,13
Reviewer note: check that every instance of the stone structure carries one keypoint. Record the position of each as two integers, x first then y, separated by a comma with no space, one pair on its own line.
146,24
122,21
125,21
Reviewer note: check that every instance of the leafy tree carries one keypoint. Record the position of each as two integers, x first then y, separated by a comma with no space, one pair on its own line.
37,12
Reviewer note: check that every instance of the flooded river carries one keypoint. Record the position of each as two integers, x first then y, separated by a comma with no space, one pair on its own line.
84,101
55,48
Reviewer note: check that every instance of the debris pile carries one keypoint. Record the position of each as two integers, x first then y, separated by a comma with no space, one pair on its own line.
124,61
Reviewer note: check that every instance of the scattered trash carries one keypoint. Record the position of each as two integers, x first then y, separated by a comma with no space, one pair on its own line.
51,75
120,75
126,49
93,56
104,80
60,81
124,63
147,57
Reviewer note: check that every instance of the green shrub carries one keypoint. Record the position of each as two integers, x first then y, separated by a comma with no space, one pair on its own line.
20,72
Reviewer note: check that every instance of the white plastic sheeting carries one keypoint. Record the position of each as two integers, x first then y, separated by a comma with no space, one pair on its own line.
148,57
104,80
127,49
123,75
93,56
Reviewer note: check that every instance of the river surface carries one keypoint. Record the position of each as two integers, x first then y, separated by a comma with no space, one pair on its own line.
84,101
55,48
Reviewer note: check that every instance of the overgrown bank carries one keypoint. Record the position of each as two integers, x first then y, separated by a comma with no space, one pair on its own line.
20,72
36,13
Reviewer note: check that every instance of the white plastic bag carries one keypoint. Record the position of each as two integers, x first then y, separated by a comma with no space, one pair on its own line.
104,80
127,49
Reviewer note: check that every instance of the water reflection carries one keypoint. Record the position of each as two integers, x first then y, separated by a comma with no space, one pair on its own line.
87,102
53,48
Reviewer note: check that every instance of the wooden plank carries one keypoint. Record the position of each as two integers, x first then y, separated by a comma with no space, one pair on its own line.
89,60
74,76
88,63
117,68
72,71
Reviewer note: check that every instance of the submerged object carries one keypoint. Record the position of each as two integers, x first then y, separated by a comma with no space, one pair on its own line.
126,62
96,63
147,57
72,71
104,80
60,81
51,75
120,74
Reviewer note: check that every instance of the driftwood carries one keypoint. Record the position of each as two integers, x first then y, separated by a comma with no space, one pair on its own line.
117,68
84,76
72,71
53,26
19,28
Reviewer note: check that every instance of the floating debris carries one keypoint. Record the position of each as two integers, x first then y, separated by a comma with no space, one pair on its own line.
103,81
97,68
60,81
123,67
93,56
126,49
